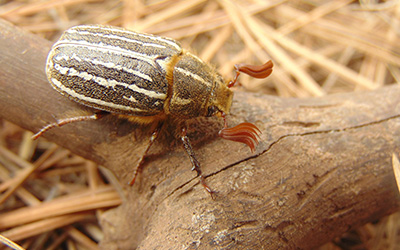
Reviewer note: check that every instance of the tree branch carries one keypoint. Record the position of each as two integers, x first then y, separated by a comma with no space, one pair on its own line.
322,168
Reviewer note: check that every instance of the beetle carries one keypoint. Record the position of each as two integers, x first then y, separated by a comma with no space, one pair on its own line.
145,79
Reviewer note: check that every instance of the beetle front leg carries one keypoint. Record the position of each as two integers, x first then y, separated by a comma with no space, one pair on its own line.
193,160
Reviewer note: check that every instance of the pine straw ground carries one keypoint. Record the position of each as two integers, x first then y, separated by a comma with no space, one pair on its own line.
318,47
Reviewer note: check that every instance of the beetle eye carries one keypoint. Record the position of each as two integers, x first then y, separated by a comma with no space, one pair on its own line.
211,111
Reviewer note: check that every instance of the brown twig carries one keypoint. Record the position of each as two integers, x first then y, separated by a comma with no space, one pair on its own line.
323,167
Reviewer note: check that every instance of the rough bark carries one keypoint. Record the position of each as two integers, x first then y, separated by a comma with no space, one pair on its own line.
323,165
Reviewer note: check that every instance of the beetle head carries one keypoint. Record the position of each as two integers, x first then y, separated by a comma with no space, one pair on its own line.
221,98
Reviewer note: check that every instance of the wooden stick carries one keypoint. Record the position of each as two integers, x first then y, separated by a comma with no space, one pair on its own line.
323,165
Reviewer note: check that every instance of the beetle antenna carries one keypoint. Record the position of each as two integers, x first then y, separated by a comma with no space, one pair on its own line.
256,71
246,133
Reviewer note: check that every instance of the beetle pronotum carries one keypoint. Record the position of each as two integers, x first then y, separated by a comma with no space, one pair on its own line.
146,79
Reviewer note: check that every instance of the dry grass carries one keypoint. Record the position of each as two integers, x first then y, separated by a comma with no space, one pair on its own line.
51,199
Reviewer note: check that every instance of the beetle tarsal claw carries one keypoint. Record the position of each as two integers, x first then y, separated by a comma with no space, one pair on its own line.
246,133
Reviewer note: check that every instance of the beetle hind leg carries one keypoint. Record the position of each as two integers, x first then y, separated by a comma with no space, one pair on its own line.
65,121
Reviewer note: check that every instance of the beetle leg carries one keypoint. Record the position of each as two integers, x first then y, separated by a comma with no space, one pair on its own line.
193,160
256,71
153,137
65,121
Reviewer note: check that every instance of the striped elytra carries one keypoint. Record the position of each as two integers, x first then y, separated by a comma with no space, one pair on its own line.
132,73
144,78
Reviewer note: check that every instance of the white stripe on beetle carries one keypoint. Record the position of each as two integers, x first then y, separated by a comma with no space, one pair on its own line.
107,82
72,93
152,37
108,65
193,75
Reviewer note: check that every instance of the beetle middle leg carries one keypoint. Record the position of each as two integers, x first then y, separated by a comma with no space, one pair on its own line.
193,160
153,137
